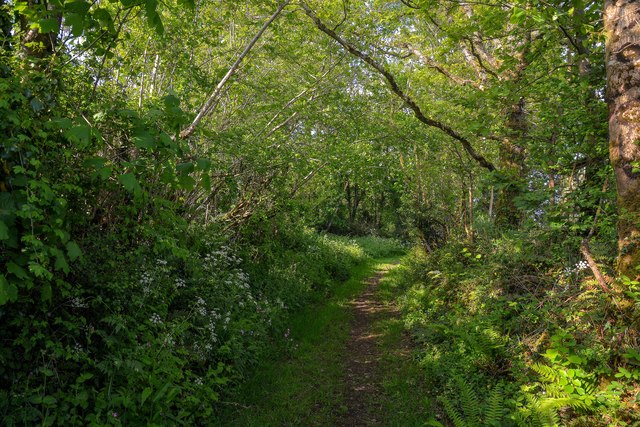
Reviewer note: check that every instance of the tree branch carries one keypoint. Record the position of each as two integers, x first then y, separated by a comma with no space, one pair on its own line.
584,244
213,98
439,68
397,90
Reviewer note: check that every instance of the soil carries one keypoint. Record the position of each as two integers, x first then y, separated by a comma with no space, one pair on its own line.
363,384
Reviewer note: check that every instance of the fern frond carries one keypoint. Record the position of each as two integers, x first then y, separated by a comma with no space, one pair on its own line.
494,411
469,400
589,388
579,405
452,412
545,411
481,345
548,373
522,419
555,391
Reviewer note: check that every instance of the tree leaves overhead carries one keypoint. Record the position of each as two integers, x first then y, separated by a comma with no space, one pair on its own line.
153,151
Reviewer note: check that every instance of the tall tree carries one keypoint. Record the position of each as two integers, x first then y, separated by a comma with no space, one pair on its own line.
622,26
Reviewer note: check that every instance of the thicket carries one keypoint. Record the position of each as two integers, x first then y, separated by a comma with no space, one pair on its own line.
510,330
144,335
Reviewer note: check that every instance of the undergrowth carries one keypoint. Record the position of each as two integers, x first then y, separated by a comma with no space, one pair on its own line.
159,332
507,337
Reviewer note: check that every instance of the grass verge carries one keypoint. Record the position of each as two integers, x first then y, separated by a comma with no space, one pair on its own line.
404,394
304,386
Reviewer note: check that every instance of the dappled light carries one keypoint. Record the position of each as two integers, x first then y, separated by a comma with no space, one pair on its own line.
320,212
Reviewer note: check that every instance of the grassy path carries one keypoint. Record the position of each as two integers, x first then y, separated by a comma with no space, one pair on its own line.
351,364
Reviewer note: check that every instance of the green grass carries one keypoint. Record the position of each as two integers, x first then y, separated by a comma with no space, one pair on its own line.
305,386
404,391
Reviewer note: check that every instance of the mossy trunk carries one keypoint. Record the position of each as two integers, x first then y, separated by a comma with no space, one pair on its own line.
512,158
622,26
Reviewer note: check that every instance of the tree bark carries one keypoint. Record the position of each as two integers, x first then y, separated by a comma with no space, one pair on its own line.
622,27
512,158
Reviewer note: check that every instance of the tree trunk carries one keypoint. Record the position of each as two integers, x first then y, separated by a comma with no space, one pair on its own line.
512,158
622,26
36,44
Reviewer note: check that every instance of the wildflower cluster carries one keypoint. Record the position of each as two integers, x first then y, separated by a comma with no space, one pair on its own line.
155,319
576,268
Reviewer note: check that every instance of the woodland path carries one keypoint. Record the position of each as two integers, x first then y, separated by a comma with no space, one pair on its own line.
350,363
363,379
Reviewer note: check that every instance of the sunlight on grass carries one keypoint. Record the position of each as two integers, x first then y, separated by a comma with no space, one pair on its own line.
304,386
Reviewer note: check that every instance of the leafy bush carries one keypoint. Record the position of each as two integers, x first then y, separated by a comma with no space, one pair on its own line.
156,333
481,325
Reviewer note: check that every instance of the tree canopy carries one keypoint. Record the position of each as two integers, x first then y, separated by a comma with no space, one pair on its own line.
148,144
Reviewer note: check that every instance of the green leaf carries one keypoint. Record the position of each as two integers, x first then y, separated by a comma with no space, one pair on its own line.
73,250
94,162
49,400
153,18
46,293
8,291
84,377
61,123
104,17
206,182
36,105
186,182
21,6
167,141
143,139
130,183
105,172
39,271
204,164
171,101
77,6
79,135
49,25
575,359
4,231
518,16
145,395
17,271
76,22
186,167
61,263
551,354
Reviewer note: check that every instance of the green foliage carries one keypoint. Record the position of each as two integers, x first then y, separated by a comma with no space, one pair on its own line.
533,363
465,409
158,337
143,274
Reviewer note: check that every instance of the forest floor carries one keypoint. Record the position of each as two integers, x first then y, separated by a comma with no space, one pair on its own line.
350,363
